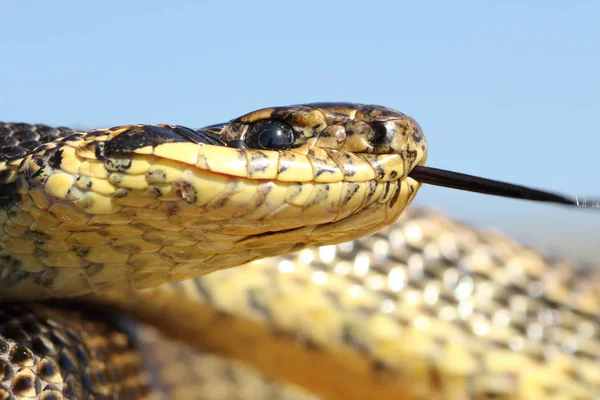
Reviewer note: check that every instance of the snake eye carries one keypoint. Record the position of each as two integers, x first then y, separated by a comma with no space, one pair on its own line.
270,135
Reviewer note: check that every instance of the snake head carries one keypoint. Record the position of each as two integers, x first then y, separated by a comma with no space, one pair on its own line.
330,162
140,205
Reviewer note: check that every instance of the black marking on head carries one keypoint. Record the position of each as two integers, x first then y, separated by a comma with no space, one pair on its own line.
396,194
186,191
118,164
418,138
41,163
259,161
350,193
321,196
381,113
154,135
95,133
282,168
346,161
371,188
214,127
48,151
200,136
380,135
43,148
410,156
99,151
69,138
117,179
323,169
386,189
56,159
378,169
138,137
294,190
158,174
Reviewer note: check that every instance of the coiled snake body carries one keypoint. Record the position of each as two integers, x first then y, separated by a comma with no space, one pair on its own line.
105,235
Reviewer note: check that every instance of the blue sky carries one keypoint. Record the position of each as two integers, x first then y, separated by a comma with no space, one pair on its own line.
508,90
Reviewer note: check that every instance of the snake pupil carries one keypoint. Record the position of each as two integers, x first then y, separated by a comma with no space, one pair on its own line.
270,135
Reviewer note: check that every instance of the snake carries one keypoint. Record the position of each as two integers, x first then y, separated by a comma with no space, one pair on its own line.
274,256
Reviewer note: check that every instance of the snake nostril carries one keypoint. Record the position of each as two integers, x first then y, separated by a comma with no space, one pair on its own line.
388,136
378,135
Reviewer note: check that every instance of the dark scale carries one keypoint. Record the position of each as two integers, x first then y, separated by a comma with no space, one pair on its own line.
137,137
17,140
43,367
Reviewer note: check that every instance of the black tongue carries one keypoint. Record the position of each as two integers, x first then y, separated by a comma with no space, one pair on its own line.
470,183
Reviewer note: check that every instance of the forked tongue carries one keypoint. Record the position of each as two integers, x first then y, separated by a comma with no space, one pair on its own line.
470,183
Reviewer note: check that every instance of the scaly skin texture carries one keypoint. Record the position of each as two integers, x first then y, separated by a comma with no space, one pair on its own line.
51,353
427,308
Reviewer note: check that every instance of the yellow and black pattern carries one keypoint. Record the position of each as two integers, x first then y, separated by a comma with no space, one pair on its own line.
125,217
53,353
136,206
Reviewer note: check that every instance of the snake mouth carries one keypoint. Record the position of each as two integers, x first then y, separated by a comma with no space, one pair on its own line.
298,192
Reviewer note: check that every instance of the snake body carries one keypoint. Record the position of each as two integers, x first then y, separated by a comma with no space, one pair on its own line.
331,295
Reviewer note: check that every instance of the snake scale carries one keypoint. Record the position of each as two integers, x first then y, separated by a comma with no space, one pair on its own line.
117,247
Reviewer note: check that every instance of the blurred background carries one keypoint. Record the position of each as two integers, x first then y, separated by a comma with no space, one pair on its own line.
506,90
